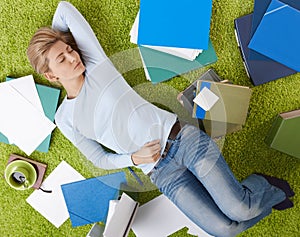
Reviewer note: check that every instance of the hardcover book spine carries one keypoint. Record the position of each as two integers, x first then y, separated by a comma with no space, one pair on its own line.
237,37
271,136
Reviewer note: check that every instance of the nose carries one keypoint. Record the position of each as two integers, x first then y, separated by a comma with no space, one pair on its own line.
70,57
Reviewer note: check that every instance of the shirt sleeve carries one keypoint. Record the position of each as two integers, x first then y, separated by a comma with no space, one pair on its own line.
68,18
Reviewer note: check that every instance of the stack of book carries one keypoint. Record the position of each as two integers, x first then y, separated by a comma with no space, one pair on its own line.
219,106
268,40
173,37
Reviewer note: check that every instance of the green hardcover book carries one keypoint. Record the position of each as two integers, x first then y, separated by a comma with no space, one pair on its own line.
231,107
284,135
49,98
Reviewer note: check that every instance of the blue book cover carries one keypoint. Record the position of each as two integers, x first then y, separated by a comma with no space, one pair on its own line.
88,200
162,66
259,71
260,7
277,35
175,23
49,97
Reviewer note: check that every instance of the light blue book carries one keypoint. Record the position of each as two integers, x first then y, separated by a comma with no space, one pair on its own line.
162,66
277,35
49,98
88,200
175,23
260,7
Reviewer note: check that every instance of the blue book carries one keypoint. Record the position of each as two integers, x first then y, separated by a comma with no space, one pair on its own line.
88,200
259,71
260,7
49,97
175,23
162,66
277,35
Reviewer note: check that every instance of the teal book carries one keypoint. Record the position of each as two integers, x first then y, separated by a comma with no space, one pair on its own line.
88,200
284,135
162,66
175,23
49,97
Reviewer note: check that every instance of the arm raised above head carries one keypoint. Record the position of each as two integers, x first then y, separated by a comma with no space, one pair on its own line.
68,18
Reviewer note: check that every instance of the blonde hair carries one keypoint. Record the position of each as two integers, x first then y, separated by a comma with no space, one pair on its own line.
41,42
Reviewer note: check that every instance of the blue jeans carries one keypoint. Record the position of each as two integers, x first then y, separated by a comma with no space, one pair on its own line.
196,178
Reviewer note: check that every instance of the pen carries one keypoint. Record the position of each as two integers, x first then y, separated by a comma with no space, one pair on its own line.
135,176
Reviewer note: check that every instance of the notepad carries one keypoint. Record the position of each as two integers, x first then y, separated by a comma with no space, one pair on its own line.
88,200
277,35
175,23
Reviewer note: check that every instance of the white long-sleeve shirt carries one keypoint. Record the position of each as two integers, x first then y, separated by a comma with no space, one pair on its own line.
107,110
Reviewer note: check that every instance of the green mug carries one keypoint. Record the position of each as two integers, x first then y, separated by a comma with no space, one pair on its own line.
20,174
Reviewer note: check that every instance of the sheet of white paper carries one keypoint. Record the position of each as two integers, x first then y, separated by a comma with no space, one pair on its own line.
52,205
145,68
26,87
21,122
120,216
206,99
161,218
189,54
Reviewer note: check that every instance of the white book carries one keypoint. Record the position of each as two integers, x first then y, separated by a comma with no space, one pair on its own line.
186,53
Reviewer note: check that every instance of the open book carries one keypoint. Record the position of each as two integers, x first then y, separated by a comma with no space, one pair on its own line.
120,216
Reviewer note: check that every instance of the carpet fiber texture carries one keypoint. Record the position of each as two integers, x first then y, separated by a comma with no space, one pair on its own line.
245,150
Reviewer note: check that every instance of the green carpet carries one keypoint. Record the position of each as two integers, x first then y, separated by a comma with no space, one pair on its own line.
245,150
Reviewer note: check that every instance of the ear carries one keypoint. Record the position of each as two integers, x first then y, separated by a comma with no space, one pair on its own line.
50,77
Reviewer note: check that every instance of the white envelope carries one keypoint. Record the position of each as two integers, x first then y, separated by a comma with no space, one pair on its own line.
206,99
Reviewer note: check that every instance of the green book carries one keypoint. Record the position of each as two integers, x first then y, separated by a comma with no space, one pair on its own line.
231,107
49,98
284,135
162,66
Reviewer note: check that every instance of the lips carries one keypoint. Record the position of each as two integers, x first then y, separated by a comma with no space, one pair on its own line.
77,65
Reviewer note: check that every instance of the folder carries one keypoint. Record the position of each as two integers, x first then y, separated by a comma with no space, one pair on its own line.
260,7
259,71
175,23
88,200
162,66
277,35
49,97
